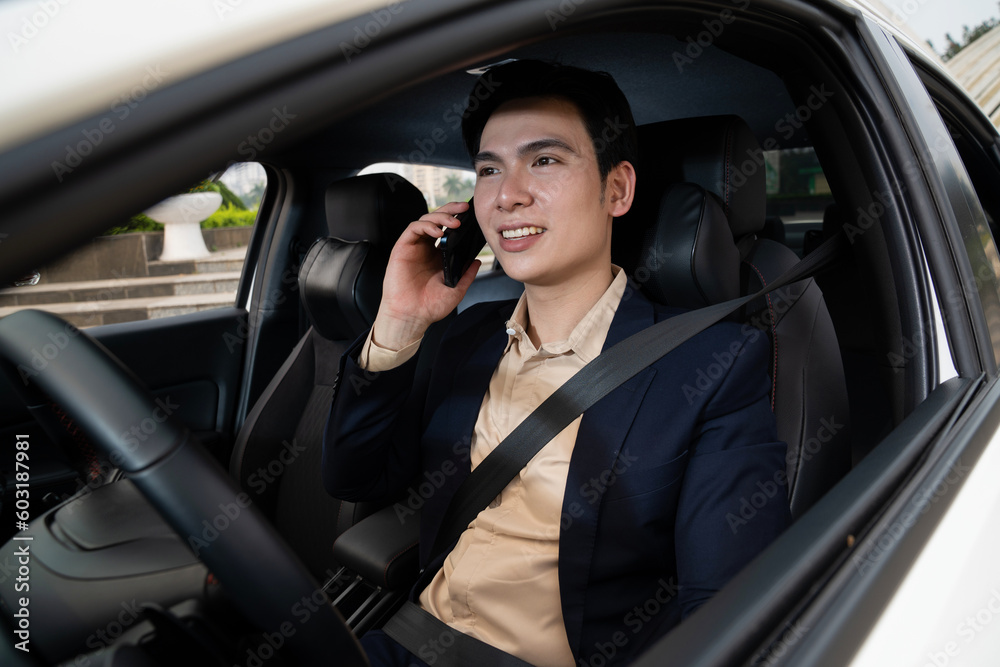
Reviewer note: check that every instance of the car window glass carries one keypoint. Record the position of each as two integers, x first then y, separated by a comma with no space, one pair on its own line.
798,195
184,254
978,149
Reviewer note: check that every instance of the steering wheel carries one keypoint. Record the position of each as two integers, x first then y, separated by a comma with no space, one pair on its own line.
260,573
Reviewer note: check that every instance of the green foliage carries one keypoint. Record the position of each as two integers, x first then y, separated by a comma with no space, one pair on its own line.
229,198
458,188
229,216
226,216
232,213
137,223
969,35
252,199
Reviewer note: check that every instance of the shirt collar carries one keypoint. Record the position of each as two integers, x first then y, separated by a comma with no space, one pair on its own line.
584,339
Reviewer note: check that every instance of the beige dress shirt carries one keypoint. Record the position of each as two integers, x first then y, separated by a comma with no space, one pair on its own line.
500,584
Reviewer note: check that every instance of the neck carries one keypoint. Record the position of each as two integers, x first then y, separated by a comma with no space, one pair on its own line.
555,310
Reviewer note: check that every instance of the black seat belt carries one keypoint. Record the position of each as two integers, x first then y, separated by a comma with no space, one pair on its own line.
411,626
597,379
421,633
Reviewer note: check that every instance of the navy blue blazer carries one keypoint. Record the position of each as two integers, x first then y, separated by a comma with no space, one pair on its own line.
654,517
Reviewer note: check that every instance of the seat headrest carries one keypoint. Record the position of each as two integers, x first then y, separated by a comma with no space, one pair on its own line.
683,254
719,153
340,280
374,208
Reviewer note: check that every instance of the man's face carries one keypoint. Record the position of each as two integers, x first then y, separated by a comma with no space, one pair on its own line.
538,193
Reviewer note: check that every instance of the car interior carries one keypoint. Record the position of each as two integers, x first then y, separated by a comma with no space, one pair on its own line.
254,382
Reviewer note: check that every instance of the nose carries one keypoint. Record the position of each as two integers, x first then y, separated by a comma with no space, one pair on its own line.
513,190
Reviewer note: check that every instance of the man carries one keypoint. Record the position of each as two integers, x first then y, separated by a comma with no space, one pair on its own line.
616,529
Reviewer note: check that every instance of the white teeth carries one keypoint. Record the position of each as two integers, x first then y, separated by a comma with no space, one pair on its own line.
523,231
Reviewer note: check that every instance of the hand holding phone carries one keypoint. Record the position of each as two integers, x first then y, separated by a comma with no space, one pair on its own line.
460,246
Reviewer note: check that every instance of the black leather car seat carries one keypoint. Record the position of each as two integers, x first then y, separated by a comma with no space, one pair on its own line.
809,397
277,455
858,331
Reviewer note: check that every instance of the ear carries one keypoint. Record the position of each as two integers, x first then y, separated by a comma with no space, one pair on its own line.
619,188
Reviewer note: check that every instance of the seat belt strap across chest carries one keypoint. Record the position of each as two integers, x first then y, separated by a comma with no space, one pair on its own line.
413,627
597,379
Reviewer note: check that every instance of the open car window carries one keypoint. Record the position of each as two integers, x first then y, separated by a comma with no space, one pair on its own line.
182,255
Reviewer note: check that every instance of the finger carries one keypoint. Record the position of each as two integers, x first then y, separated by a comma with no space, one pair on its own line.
440,218
468,276
418,230
453,208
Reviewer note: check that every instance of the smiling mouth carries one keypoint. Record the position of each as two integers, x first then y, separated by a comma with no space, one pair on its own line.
521,232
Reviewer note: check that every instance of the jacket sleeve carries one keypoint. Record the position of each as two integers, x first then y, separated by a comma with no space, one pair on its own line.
371,445
734,499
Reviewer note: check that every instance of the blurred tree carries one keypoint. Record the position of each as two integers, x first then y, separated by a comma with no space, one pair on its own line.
969,35
458,187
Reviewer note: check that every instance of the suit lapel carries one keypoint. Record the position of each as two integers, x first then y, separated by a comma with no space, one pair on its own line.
598,445
454,420
474,371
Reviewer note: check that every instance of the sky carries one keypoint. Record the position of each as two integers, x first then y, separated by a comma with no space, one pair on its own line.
931,19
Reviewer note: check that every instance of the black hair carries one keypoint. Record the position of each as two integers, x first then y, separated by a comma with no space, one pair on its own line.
602,105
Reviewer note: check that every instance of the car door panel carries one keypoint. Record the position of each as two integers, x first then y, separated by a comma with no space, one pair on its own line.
191,363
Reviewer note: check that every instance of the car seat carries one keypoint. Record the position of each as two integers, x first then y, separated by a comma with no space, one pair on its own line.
808,394
276,458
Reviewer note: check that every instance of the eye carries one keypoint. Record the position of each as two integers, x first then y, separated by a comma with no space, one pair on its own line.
486,171
545,160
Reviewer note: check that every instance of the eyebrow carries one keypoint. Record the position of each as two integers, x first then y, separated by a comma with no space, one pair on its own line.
524,149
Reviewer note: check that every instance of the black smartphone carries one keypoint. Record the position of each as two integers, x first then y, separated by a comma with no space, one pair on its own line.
460,246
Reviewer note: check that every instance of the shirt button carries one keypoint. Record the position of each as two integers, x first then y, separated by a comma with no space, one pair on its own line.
511,331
